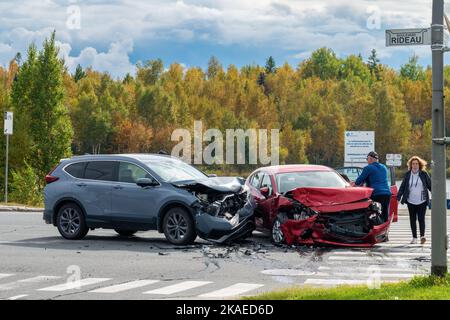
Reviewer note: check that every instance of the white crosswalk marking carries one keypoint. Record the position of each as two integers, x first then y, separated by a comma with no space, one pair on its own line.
179,287
234,290
16,284
39,279
381,268
287,272
383,254
5,275
125,286
18,297
366,274
75,284
335,282
372,258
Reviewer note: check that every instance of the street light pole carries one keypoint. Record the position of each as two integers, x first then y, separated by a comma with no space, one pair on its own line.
438,185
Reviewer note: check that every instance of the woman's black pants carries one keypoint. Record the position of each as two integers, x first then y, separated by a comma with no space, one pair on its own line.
417,212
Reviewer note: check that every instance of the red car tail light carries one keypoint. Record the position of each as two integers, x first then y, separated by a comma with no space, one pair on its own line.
49,178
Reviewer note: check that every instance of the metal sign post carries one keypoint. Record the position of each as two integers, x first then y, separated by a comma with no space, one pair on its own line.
8,130
433,36
438,183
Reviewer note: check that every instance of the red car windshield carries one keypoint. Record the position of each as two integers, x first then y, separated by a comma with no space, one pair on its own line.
321,179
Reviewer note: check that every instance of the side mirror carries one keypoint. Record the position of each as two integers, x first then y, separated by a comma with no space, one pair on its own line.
212,175
264,191
146,182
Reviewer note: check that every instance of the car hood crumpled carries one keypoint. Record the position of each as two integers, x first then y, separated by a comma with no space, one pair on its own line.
215,184
332,199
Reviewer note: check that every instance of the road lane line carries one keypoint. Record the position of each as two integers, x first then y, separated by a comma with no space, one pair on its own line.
179,287
234,290
75,284
125,286
5,275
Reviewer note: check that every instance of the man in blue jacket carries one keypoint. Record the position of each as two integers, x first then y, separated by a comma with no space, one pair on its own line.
375,176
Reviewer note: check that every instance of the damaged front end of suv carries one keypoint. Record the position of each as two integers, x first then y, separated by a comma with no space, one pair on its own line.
223,209
330,216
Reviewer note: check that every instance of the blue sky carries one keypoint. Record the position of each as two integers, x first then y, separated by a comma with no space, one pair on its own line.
114,35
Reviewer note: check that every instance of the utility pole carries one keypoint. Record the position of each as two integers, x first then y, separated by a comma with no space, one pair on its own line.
439,238
434,37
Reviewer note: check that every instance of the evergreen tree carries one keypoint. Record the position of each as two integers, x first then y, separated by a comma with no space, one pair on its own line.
38,95
50,125
79,73
270,65
373,64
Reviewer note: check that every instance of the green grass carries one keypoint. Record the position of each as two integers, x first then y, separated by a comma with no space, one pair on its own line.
418,288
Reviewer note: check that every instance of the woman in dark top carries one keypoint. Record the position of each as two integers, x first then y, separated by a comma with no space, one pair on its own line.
414,192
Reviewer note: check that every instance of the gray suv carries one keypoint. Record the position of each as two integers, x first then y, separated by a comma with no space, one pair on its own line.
140,192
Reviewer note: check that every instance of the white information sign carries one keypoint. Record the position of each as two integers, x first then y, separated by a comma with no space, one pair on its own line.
357,145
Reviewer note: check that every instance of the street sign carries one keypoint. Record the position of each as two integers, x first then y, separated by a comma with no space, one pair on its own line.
8,127
408,37
394,163
393,159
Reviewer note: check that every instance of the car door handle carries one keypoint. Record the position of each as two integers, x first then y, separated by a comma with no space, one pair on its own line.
82,184
118,187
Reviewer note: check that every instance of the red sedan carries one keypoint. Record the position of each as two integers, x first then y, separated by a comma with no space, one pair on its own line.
311,204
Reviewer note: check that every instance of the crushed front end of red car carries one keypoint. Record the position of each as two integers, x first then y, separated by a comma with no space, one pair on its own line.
331,216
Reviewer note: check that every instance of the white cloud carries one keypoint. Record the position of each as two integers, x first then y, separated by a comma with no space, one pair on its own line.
116,61
296,27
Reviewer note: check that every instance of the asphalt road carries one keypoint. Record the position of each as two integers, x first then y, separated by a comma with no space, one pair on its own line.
36,263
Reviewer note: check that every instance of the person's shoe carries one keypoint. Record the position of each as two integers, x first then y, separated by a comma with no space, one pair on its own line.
413,241
423,240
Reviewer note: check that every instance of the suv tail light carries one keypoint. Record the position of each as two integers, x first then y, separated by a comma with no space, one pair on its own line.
49,178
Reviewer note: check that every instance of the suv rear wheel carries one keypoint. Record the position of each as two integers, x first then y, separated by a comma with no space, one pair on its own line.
179,227
71,222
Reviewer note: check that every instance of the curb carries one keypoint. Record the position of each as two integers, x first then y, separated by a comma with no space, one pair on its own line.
20,209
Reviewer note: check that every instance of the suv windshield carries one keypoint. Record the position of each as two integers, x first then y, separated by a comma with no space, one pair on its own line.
171,170
321,179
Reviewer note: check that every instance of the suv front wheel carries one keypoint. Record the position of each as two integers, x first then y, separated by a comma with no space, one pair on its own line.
179,227
71,223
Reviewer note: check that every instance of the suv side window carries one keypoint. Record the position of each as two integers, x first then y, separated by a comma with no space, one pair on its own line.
76,170
266,182
256,179
101,170
130,173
